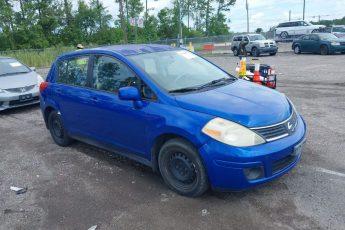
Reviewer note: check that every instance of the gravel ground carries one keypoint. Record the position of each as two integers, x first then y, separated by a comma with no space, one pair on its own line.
81,186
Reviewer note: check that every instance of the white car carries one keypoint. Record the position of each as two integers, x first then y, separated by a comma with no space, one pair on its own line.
296,28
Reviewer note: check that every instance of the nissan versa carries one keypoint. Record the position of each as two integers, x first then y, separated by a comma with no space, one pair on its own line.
175,112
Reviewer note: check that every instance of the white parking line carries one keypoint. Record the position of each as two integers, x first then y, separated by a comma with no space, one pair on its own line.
330,172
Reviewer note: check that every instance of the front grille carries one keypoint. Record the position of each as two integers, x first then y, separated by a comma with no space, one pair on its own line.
20,89
283,163
18,102
280,130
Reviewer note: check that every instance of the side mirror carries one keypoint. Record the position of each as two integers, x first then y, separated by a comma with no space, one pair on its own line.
33,68
131,93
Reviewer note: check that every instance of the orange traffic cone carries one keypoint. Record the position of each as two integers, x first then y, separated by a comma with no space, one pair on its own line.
256,77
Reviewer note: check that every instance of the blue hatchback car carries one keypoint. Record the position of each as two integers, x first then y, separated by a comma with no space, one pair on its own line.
176,112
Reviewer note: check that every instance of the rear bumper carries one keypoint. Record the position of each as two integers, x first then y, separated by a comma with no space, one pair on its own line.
12,100
268,49
226,164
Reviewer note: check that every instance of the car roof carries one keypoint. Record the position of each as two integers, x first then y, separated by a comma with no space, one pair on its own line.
127,50
3,57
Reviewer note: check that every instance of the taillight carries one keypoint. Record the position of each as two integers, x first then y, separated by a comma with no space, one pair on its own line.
43,86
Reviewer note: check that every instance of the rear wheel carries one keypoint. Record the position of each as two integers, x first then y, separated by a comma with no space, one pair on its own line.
284,35
235,51
182,169
57,129
324,50
255,52
297,49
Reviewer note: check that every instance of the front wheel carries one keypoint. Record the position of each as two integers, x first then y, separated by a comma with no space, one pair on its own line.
182,169
255,52
273,54
57,129
324,50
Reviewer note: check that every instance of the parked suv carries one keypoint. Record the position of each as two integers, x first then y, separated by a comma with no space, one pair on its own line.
296,28
175,112
256,45
338,30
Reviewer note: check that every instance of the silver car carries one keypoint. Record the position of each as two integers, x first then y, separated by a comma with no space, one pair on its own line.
19,85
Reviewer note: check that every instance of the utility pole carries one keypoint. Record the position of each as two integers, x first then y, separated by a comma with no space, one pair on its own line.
180,23
247,16
289,15
303,9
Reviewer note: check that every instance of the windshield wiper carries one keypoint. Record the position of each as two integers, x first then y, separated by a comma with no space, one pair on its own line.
4,74
218,82
183,90
221,81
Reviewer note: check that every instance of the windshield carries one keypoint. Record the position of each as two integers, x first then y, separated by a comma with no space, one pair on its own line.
327,36
339,29
256,37
10,66
178,69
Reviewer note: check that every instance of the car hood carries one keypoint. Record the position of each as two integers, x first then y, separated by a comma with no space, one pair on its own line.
243,102
18,80
264,41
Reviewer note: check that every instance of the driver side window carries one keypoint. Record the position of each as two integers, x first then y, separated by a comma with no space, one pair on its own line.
110,74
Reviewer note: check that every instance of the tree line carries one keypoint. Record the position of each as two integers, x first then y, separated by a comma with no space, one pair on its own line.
38,24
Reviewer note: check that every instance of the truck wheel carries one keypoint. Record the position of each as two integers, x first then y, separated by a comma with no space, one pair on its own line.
324,50
235,51
284,35
297,49
255,52
182,169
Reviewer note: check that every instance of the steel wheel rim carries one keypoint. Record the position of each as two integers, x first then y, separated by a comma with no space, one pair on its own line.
182,169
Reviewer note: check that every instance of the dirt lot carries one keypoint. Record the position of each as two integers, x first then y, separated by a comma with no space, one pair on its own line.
81,186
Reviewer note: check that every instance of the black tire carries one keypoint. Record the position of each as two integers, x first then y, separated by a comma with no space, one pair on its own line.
273,54
284,35
182,169
297,49
57,130
235,51
255,52
324,50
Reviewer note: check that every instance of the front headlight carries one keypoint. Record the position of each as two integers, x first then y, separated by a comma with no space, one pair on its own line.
262,45
335,43
2,91
39,80
231,133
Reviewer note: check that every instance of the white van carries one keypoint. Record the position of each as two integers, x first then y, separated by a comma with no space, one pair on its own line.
294,28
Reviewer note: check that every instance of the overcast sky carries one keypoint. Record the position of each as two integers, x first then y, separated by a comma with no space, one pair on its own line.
262,13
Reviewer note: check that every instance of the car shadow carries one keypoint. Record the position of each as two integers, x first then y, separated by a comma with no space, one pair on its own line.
22,109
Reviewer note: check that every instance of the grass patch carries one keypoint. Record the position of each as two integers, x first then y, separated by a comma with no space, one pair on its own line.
37,58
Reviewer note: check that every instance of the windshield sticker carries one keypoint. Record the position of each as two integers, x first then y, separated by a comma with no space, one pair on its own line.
15,64
186,54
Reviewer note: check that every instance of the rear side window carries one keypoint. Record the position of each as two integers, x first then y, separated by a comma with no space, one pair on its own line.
110,74
73,71
238,38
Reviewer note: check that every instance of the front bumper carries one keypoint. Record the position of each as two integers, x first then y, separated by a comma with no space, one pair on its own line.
225,164
272,49
12,100
335,49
